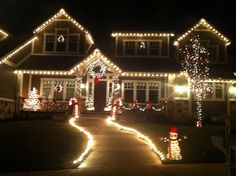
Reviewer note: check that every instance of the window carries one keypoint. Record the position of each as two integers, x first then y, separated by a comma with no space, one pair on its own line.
70,90
217,91
128,92
213,53
47,86
49,43
58,95
142,48
49,89
129,48
153,92
61,41
73,43
141,92
154,48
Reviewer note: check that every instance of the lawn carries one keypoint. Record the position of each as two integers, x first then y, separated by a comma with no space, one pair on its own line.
197,148
38,145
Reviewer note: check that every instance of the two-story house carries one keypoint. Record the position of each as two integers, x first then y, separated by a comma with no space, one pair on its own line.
62,60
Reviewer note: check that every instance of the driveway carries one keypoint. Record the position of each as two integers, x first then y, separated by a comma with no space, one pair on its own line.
117,153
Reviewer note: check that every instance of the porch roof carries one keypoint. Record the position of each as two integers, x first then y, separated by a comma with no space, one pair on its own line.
140,64
42,62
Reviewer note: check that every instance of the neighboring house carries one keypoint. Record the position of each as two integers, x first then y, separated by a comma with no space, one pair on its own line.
62,54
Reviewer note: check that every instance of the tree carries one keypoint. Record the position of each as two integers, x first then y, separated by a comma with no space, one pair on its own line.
194,61
32,102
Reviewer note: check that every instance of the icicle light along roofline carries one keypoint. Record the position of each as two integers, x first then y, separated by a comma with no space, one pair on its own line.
208,26
60,13
132,34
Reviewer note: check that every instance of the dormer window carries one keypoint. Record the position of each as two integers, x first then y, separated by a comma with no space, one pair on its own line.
142,48
213,50
61,41
130,48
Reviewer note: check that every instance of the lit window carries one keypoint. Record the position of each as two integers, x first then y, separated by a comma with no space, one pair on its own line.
141,92
153,92
70,89
128,92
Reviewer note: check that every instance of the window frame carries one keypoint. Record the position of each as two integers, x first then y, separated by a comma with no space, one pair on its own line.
214,98
55,35
148,48
147,82
64,90
208,45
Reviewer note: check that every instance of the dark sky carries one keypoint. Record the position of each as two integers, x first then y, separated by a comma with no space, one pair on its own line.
103,17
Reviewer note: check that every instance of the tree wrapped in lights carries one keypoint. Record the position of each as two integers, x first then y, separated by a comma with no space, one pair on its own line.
195,63
32,102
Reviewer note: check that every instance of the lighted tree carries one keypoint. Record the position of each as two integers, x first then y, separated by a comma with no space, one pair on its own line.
195,62
32,102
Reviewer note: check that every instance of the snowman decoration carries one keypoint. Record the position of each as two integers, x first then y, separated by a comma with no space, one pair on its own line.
173,145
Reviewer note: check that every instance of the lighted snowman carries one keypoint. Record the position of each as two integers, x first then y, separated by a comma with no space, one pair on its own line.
173,145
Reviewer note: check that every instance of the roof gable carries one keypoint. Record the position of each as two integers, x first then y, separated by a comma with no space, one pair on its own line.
200,25
64,14
96,55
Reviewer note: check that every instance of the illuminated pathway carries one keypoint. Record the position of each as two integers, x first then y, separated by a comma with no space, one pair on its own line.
116,152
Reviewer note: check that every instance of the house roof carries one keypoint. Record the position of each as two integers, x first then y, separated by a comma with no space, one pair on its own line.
96,54
11,42
148,64
42,62
204,23
224,72
142,34
63,13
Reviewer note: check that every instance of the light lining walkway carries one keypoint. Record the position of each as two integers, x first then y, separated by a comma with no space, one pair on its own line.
116,153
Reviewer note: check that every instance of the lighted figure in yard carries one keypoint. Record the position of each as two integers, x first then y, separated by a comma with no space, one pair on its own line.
32,102
74,102
116,108
174,151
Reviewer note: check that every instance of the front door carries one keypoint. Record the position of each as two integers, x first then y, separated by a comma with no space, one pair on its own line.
100,96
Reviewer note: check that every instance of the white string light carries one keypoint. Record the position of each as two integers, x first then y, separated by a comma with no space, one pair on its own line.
209,27
119,34
90,142
137,133
96,54
18,49
5,34
62,12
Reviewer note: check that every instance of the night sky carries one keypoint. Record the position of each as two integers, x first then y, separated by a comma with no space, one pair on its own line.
101,17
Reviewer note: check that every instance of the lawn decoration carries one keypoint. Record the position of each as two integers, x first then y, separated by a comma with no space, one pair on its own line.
174,151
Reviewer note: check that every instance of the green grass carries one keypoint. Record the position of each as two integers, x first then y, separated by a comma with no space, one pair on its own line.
38,145
197,148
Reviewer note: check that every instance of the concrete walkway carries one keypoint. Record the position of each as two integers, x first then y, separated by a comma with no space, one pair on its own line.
117,153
